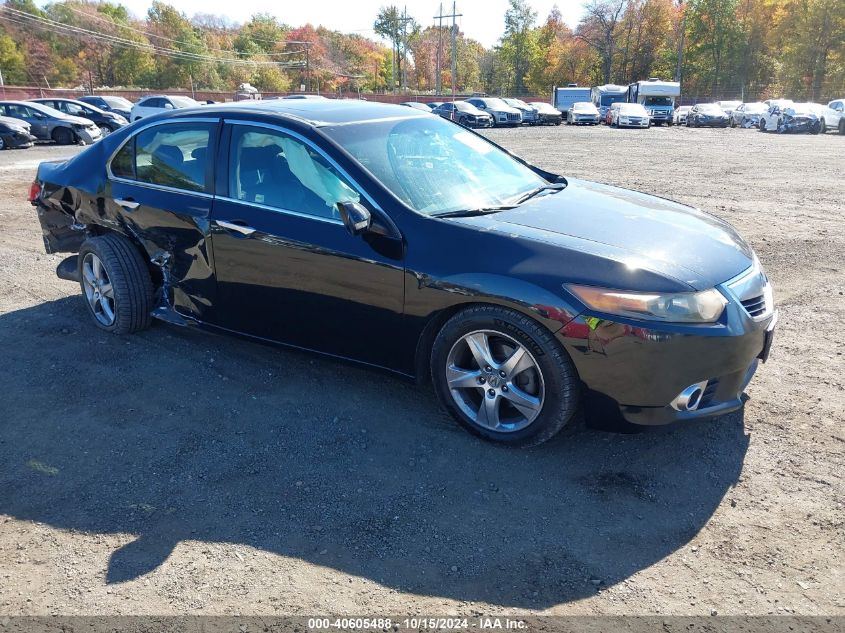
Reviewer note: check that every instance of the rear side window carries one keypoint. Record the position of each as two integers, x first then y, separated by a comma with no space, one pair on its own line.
123,163
171,155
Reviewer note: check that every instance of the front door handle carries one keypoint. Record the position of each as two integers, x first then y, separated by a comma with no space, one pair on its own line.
128,203
237,226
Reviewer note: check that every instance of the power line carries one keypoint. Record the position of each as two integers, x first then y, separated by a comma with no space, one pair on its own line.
170,39
80,32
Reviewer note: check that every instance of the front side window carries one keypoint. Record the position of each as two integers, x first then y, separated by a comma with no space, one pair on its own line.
434,166
173,155
276,170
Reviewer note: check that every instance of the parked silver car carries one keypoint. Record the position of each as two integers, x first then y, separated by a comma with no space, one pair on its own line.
748,115
582,113
830,116
529,113
679,116
47,124
502,113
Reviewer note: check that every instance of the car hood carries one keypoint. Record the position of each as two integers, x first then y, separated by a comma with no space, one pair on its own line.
635,229
507,109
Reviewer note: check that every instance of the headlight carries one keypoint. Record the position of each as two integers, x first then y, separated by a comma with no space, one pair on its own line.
683,307
78,126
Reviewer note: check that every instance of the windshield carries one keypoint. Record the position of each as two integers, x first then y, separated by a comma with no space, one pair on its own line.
496,104
118,102
709,107
584,107
606,100
632,108
658,101
756,107
435,166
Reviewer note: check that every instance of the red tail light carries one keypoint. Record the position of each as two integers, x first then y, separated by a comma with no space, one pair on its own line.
34,191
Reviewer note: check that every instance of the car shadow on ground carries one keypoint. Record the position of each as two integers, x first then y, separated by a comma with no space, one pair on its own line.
176,435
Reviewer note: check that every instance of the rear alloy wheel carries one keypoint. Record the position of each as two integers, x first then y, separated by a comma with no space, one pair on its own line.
116,284
63,136
503,376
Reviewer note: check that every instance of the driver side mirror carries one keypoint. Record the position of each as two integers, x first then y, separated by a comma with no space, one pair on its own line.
356,217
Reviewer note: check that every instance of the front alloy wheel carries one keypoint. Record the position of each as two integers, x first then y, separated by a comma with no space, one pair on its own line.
495,381
504,376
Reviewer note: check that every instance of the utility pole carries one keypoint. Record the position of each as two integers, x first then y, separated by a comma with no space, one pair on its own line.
680,67
403,21
439,71
454,30
454,48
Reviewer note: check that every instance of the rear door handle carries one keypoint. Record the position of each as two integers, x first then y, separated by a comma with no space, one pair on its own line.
127,203
238,226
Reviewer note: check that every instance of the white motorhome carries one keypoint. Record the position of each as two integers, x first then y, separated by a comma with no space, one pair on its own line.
564,97
606,95
657,97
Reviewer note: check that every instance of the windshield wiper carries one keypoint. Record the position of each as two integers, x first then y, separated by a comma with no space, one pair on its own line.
552,186
468,213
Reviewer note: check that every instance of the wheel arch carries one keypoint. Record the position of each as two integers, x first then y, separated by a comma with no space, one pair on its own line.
552,319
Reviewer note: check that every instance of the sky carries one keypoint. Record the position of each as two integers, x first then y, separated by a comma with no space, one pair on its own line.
482,20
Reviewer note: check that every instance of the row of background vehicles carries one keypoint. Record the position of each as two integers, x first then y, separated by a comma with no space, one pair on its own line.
773,115
639,105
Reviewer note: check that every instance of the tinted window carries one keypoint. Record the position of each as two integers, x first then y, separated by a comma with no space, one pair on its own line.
274,169
123,163
173,155
71,108
19,111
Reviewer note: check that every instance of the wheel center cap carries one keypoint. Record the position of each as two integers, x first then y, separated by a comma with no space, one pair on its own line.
494,380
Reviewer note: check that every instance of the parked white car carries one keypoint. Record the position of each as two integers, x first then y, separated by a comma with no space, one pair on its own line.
772,117
679,117
728,106
829,117
631,115
838,105
582,113
748,115
155,104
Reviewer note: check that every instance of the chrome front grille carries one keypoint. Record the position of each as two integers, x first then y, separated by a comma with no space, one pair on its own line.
512,116
753,291
755,306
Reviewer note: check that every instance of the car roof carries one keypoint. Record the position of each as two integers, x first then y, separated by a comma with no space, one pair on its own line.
315,112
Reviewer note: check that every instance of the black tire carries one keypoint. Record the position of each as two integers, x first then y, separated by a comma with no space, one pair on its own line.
822,126
762,125
2,143
130,280
63,136
842,126
560,379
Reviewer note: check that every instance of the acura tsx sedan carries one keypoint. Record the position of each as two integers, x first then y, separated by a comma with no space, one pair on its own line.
383,235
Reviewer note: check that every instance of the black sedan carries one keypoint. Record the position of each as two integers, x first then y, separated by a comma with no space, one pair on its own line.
108,122
15,134
707,115
108,103
399,240
464,113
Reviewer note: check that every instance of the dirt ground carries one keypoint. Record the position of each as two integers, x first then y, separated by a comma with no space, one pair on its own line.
178,472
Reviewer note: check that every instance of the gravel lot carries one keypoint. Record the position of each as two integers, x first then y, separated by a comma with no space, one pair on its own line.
178,472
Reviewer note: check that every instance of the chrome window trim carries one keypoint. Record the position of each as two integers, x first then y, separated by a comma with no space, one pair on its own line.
266,207
308,142
150,185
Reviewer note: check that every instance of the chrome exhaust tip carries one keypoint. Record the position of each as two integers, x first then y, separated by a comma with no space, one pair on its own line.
689,398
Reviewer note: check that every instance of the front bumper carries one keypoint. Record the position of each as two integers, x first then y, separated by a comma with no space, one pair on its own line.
644,123
637,369
18,140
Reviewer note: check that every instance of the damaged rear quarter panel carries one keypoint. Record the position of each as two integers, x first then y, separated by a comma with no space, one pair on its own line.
171,228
